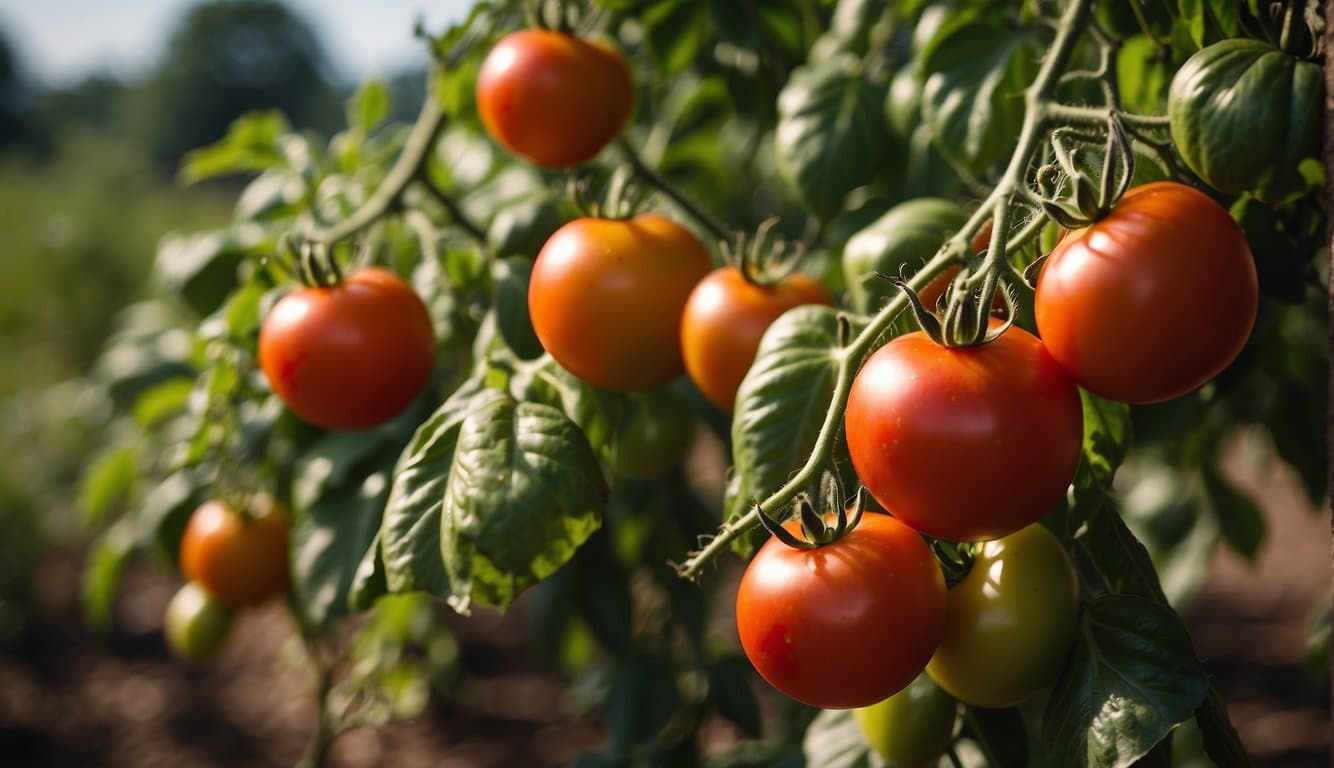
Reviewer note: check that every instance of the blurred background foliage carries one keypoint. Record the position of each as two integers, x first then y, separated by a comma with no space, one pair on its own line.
87,188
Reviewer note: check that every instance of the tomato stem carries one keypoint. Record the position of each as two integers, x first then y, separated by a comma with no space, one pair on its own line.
706,221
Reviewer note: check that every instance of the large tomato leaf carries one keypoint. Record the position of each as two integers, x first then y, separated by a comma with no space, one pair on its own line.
1132,679
410,531
832,134
524,492
339,490
975,75
781,404
1106,438
330,540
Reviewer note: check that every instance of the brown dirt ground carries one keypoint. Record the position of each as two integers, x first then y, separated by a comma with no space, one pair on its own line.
67,699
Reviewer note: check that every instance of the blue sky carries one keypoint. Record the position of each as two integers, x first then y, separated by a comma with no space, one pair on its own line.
60,41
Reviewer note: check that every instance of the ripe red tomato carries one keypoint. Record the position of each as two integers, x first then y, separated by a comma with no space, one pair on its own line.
967,443
847,624
553,98
196,625
1153,300
724,320
1010,622
240,561
606,297
350,356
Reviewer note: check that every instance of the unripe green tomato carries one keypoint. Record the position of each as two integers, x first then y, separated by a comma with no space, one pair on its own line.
912,728
1244,115
1010,622
906,236
196,625
655,434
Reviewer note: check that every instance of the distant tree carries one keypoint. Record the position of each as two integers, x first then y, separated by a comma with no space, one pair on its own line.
226,58
13,92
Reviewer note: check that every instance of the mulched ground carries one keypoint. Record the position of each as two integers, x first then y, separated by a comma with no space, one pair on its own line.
67,699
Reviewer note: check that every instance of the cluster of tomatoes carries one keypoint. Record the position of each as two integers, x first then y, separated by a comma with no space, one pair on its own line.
976,444
232,560
967,444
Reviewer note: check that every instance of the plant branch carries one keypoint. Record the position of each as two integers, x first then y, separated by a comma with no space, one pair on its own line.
1037,100
641,170
1070,114
409,166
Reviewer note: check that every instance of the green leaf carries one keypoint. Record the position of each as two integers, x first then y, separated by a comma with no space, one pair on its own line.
107,559
368,108
162,401
524,492
832,135
165,511
410,531
201,267
107,480
1106,437
1122,562
730,692
834,740
675,31
1143,76
782,403
974,79
330,540
1221,742
510,285
1132,679
251,144
1239,519
277,193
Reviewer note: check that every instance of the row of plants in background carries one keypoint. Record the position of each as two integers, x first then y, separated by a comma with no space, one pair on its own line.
471,355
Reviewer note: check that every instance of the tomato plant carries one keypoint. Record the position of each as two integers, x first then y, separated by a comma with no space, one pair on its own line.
1153,300
934,431
553,98
196,624
241,561
348,356
723,321
606,298
531,431
912,728
816,623
1010,622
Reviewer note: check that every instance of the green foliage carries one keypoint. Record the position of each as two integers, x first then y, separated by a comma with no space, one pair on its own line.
500,478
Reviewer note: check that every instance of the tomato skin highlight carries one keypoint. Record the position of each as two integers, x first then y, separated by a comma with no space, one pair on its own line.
969,443
1153,300
1010,622
242,562
553,98
606,298
724,320
196,626
349,356
847,624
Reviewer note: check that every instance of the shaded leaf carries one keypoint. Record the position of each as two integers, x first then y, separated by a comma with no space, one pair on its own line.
524,492
1132,679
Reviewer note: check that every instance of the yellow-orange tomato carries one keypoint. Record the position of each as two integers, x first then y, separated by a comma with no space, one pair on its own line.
242,562
724,320
606,298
